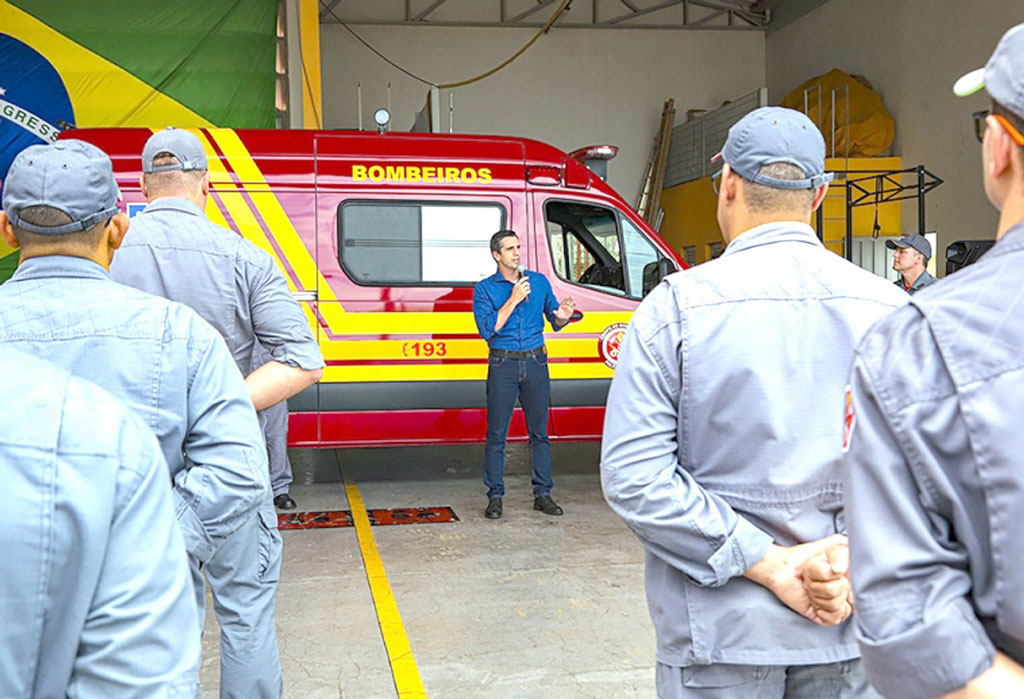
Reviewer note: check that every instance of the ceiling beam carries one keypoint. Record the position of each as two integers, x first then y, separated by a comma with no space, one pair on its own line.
645,11
723,5
326,7
741,9
541,4
742,14
537,25
752,20
707,18
423,15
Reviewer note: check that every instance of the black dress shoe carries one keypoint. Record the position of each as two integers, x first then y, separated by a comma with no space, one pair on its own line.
545,504
284,502
493,510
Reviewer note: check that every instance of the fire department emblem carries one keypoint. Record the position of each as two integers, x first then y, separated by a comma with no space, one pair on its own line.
610,343
849,420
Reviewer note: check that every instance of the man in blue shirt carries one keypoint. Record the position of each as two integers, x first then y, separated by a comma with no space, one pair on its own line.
511,319
158,356
96,597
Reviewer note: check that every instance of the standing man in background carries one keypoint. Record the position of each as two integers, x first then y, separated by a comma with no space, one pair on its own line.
934,479
159,357
910,259
510,307
721,449
176,252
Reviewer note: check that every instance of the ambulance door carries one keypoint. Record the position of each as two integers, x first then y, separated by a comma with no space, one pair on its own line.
596,254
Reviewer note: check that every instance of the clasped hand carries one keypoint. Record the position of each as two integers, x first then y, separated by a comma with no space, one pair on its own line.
812,579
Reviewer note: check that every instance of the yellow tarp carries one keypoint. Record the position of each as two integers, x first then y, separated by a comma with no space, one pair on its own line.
870,128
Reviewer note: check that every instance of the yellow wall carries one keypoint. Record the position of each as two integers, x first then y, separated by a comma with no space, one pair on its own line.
690,210
690,217
834,207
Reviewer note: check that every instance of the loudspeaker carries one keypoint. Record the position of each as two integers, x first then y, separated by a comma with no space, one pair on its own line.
961,253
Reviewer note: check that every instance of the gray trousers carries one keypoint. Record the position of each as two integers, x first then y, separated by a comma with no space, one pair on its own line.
843,680
274,421
243,576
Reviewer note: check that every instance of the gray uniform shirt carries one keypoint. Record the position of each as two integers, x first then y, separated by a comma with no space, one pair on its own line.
95,596
722,435
935,484
164,361
926,279
173,250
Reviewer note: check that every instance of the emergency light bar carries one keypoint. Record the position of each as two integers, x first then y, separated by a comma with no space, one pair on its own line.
596,158
604,152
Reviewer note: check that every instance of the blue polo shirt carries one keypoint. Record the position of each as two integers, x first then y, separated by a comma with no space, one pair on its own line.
524,329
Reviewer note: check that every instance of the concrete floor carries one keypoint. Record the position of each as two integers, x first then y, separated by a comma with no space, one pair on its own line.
525,606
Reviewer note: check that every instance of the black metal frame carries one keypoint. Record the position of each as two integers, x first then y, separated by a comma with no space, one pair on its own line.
887,188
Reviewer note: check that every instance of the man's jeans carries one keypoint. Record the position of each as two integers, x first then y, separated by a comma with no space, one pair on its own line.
528,379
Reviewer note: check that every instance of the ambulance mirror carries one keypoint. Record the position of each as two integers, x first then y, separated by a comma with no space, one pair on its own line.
654,272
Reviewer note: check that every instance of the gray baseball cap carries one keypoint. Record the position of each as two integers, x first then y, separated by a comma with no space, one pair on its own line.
914,240
776,135
1002,76
73,176
181,144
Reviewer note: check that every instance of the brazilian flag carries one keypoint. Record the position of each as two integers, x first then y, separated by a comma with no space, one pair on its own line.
68,64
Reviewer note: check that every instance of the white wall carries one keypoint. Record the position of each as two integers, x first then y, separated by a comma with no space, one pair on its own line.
573,87
911,51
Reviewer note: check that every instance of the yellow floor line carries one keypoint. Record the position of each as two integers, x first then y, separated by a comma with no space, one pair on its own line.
403,664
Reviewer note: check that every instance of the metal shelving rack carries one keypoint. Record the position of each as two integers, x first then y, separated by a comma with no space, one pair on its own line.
885,187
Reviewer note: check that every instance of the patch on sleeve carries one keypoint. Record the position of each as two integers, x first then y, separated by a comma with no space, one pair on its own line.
849,419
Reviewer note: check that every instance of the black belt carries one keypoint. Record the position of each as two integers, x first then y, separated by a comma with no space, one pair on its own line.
516,354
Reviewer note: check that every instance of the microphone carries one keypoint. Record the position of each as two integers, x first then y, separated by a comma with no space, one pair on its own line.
522,269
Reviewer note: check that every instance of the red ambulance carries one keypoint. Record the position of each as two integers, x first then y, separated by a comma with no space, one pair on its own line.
382,237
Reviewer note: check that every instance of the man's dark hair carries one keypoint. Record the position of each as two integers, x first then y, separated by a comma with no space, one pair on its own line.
50,217
500,236
1015,120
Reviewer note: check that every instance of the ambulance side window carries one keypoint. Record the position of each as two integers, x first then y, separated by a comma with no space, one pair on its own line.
641,260
405,242
584,243
587,249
